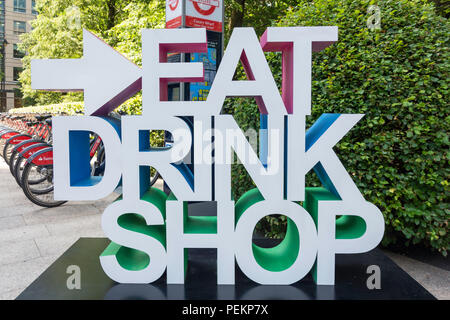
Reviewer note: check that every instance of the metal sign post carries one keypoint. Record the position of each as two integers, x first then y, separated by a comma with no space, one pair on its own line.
207,14
197,14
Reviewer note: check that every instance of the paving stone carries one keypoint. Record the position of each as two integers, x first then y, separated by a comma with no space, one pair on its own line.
10,186
18,209
11,295
19,275
159,184
58,214
103,203
6,186
50,259
93,233
435,280
23,233
11,222
78,225
18,251
11,195
55,245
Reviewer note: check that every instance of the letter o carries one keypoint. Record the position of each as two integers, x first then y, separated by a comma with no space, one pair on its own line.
248,214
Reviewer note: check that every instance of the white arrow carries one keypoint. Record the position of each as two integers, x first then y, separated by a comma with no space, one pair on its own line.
107,77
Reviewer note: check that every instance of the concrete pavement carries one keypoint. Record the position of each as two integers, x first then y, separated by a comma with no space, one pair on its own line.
435,280
32,238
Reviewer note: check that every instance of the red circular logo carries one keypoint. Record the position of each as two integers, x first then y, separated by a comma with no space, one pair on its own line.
204,12
173,5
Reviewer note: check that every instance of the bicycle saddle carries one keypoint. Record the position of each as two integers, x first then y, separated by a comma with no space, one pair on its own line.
42,117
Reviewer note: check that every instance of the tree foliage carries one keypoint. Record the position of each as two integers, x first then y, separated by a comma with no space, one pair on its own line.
57,33
442,7
126,35
258,14
398,76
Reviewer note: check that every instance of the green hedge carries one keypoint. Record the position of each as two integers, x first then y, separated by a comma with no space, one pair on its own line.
131,106
68,108
397,76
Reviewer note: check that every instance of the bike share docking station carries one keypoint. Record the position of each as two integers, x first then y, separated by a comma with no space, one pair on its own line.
181,246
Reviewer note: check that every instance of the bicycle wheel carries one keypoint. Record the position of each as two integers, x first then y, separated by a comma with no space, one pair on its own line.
21,162
43,196
12,161
41,193
18,169
98,162
19,147
7,150
4,137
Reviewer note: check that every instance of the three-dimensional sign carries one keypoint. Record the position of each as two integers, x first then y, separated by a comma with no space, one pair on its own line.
151,231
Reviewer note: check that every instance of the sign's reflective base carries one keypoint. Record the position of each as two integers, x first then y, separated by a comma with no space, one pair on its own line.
351,278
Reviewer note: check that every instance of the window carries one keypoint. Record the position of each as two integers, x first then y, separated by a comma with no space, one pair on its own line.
2,26
17,52
33,7
20,6
2,18
16,73
19,27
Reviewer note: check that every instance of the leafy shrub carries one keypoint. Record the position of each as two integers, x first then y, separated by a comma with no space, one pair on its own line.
131,106
398,77
69,108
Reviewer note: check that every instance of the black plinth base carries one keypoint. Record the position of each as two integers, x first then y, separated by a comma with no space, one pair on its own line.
351,278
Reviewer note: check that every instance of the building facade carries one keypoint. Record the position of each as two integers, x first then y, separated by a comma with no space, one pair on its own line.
14,21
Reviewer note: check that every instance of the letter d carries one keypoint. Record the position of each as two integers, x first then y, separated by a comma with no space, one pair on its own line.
72,174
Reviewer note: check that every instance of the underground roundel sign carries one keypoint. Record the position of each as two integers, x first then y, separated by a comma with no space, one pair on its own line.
204,14
173,4
205,8
173,13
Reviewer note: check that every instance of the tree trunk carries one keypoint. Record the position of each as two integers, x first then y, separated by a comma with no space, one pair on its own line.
237,16
111,14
